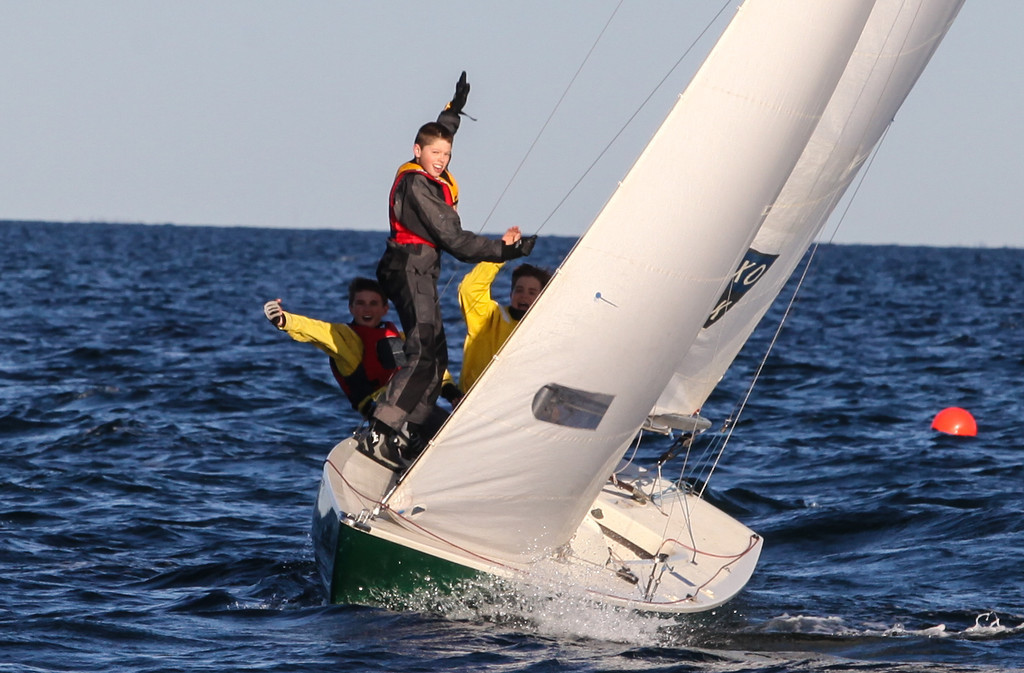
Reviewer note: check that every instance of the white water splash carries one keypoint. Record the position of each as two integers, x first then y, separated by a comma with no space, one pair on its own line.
543,606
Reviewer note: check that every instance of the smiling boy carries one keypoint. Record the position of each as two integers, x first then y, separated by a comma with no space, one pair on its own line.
425,222
488,324
361,351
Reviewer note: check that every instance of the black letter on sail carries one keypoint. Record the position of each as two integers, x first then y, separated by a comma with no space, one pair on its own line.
752,268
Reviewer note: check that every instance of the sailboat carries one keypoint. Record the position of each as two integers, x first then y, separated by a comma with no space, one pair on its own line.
526,481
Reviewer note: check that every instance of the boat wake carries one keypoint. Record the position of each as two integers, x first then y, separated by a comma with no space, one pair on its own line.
966,634
986,625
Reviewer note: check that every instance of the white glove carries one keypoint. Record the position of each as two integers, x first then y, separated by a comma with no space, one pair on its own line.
275,314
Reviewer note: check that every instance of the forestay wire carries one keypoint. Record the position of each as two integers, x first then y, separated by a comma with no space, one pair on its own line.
551,116
540,133
629,121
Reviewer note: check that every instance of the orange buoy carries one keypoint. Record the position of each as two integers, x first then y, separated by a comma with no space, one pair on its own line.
955,421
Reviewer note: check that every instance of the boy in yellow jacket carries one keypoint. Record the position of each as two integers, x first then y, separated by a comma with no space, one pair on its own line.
488,324
364,353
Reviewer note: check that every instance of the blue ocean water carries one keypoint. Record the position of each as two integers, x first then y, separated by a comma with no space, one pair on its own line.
162,446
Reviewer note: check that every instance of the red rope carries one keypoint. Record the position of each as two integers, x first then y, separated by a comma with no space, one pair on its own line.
418,527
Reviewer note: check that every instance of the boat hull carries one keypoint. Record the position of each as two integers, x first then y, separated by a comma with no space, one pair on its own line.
357,567
620,554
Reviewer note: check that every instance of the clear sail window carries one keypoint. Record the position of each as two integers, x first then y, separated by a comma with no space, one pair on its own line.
574,408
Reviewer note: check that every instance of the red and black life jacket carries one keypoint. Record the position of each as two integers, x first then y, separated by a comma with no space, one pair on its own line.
371,375
399,232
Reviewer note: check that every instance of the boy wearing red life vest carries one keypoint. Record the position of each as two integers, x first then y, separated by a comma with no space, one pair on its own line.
362,351
425,222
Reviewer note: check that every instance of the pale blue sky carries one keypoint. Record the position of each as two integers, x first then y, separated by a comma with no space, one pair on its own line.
296,114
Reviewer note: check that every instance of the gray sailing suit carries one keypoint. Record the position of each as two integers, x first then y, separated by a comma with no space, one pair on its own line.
409,274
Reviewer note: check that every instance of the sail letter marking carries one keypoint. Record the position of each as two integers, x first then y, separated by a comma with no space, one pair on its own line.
752,268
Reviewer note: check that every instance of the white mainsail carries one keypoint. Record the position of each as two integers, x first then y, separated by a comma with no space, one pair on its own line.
515,469
898,40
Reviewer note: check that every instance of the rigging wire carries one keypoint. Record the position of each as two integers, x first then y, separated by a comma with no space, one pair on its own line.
632,454
551,116
544,126
633,116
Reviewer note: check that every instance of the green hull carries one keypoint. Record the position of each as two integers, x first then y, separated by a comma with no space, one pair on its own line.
357,567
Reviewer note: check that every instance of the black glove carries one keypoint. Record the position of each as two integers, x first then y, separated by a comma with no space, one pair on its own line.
451,392
521,248
461,95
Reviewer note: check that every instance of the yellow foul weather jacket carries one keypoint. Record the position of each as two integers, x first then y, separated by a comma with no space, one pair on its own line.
488,324
340,342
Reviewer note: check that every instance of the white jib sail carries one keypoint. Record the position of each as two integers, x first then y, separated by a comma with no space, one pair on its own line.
898,40
511,475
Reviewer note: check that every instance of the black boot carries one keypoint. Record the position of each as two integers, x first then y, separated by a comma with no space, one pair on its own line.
415,444
383,444
420,434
